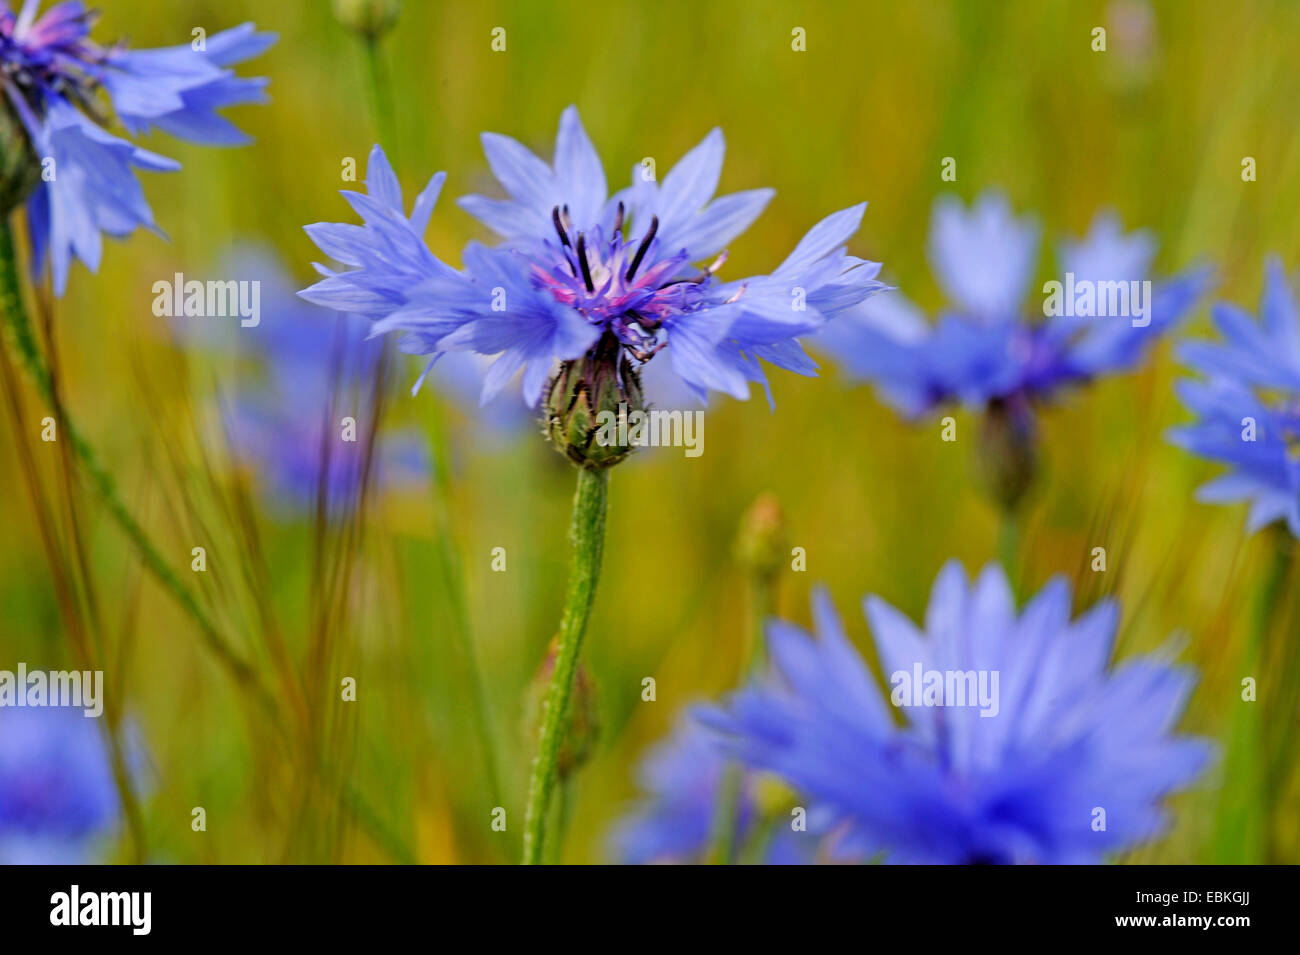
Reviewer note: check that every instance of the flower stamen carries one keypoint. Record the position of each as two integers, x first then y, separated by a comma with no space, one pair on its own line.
641,249
582,262
559,227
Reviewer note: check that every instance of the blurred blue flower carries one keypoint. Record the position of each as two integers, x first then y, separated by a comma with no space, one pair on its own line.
57,794
576,265
460,377
1248,409
287,427
984,348
683,777
52,74
1068,735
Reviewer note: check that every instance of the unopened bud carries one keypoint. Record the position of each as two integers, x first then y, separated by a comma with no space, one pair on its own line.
1007,456
761,542
370,18
585,402
582,725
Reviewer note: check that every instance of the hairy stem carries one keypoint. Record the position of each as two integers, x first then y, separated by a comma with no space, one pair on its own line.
563,813
587,537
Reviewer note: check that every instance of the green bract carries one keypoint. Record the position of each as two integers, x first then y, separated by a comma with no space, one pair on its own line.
585,397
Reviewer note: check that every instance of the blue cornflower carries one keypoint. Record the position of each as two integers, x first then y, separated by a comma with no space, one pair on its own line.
288,426
582,273
683,777
1249,406
984,349
57,794
1067,737
52,72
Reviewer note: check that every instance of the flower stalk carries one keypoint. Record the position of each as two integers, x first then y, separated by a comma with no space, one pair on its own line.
760,550
381,93
1006,461
587,538
1246,802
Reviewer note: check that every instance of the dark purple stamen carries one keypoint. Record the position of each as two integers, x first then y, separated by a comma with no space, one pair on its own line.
641,250
582,261
559,227
618,219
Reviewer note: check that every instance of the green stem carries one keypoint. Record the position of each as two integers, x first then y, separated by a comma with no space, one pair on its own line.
587,537
761,606
1241,829
1285,662
563,811
1009,543
723,842
381,93
24,341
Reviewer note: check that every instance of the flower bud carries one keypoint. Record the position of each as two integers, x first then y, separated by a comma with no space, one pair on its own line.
588,403
1007,457
582,729
370,18
761,542
20,167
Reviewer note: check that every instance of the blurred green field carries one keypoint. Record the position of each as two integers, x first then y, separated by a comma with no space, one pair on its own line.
1155,130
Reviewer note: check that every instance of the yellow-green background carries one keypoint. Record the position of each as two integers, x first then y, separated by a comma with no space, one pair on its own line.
1012,91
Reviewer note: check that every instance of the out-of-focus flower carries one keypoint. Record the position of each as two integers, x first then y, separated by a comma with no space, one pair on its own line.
1065,760
505,417
684,779
984,348
84,181
57,794
288,427
582,273
1248,408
